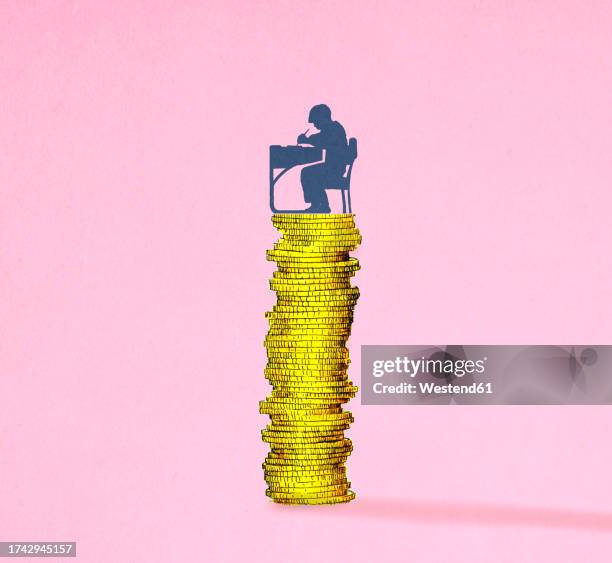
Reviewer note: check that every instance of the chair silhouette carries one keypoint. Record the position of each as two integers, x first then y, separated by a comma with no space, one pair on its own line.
345,182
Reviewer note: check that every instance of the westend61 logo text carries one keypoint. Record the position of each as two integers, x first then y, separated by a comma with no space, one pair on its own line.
481,374
412,367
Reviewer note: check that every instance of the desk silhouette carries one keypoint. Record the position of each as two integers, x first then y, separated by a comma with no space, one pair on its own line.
284,159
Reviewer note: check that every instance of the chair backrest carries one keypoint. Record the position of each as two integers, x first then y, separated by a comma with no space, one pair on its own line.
352,150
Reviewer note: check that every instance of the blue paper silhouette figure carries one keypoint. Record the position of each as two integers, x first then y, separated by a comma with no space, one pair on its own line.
330,173
317,177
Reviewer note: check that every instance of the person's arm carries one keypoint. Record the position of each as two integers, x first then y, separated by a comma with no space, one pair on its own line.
315,140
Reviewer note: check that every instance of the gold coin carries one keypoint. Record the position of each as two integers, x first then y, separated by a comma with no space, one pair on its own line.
305,359
310,242
300,405
308,239
306,451
317,424
298,231
333,292
297,310
305,467
307,271
312,384
302,381
312,218
310,284
312,466
342,265
308,338
305,278
314,380
311,487
344,415
337,397
310,381
290,481
297,256
309,333
303,288
314,317
313,250
326,446
315,304
298,296
306,494
289,424
307,388
282,462
310,483
304,473
318,228
314,292
332,355
304,330
294,461
335,456
279,362
301,440
308,401
288,484
306,281
308,431
298,346
335,414
304,437
284,250
308,302
349,496
299,410
346,263
309,236
303,426
305,371
282,404
329,308
310,324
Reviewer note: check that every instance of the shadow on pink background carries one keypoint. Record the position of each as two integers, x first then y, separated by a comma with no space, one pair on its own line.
133,229
464,513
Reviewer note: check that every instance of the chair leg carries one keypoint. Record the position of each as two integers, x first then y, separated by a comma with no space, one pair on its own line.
343,202
348,195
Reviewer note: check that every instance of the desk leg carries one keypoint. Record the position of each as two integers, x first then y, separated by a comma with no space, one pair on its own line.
274,210
273,182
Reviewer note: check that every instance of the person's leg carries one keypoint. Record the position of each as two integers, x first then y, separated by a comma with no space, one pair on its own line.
330,177
323,200
312,178
306,177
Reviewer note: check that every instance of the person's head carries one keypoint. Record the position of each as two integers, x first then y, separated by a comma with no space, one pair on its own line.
319,115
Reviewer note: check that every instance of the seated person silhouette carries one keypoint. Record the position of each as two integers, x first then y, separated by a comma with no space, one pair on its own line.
317,177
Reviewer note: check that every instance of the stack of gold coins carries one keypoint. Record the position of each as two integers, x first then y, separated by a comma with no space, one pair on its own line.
308,359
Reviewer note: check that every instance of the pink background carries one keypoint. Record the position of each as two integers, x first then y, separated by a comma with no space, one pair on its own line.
134,224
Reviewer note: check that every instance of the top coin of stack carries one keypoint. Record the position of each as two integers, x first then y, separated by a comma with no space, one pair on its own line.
308,359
